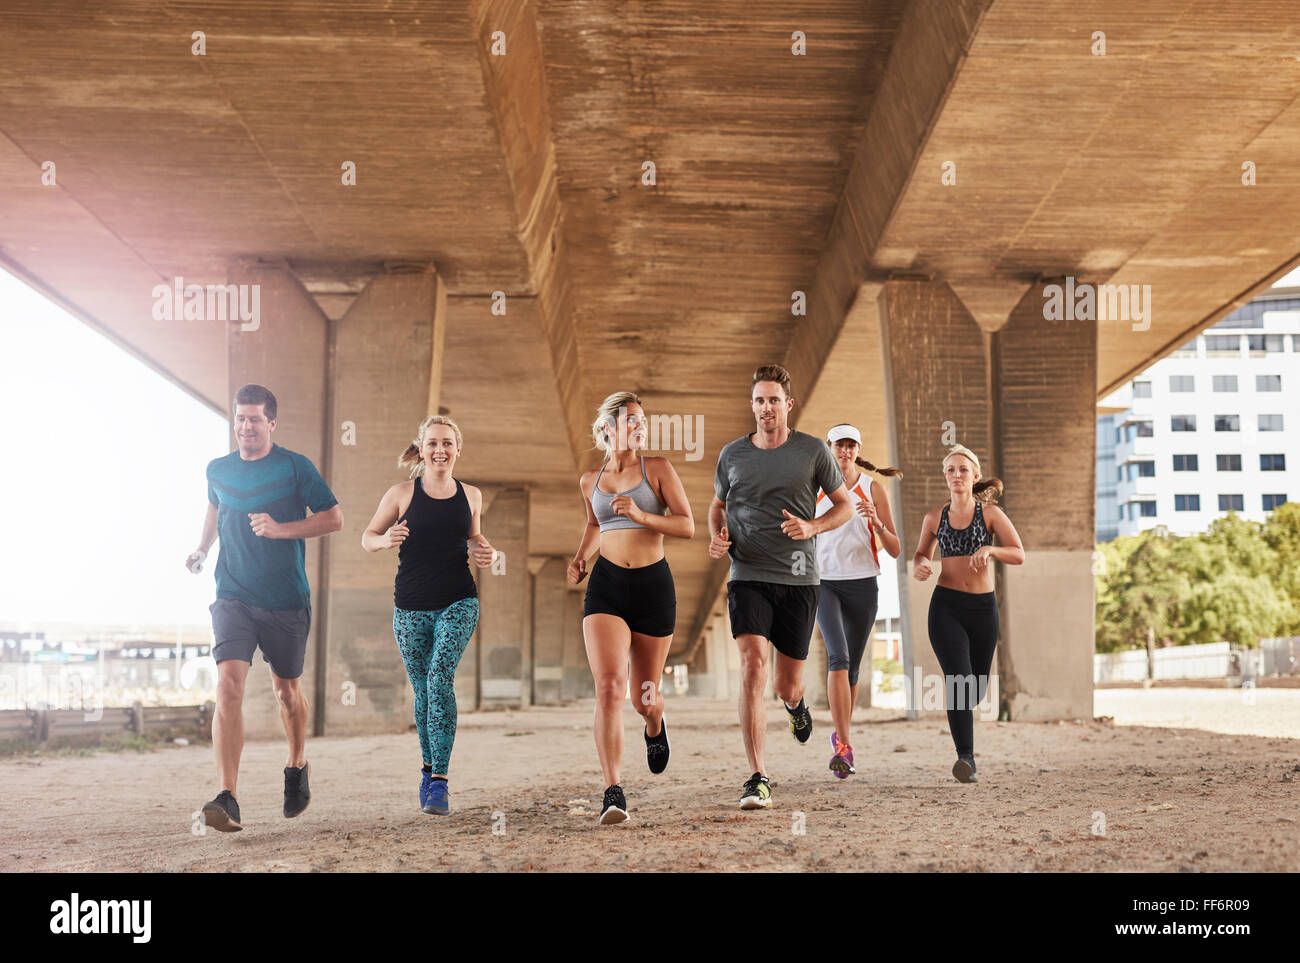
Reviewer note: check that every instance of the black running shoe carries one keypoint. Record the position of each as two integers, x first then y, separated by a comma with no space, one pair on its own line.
297,794
222,814
964,769
615,808
656,749
800,720
757,793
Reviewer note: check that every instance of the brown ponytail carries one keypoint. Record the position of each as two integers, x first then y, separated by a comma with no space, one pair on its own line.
988,491
410,460
890,472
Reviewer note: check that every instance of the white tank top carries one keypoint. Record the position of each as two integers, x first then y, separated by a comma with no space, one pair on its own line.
848,551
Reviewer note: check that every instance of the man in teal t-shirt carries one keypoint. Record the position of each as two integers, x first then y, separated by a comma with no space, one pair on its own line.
258,502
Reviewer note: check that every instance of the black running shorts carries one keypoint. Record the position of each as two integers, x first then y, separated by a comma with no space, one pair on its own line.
645,598
782,614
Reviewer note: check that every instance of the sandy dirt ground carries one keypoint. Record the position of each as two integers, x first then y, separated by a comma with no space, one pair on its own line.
526,788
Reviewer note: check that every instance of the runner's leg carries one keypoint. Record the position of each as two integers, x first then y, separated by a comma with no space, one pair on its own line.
608,641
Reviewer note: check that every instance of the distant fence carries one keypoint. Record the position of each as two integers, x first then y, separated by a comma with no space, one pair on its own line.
1215,660
42,725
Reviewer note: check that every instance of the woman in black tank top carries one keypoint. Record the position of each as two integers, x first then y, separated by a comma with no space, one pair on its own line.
963,619
432,520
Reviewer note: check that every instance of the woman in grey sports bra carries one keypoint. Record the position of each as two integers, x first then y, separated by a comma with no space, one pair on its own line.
963,619
630,610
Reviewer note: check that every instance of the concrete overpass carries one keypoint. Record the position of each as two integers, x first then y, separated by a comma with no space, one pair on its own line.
920,171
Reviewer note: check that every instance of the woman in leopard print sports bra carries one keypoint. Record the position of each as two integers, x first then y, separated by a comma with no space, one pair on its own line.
963,609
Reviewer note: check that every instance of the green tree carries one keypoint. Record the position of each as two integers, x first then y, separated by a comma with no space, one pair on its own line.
1233,608
1282,535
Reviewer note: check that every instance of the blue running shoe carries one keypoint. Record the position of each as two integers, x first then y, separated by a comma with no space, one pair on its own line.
426,780
436,801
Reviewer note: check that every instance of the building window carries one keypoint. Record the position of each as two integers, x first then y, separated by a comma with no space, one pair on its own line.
1272,501
1119,473
1265,342
1225,382
1141,469
1227,422
1186,351
1272,462
1227,462
1118,435
1270,422
1146,509
1232,503
1187,503
1222,345
1182,383
1185,463
1268,382
1141,389
1182,422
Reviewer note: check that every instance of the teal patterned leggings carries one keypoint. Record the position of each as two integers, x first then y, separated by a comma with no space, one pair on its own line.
431,644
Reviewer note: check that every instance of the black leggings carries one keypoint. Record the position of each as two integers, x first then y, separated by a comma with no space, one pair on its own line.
963,634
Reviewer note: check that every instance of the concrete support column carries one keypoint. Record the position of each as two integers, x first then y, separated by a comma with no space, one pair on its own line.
1047,439
385,353
578,683
504,638
936,391
549,612
288,353
999,392
709,672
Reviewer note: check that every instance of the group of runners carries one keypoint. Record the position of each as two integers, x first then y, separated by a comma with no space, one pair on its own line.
802,525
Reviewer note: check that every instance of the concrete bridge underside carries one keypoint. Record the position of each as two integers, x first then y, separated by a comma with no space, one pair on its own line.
919,172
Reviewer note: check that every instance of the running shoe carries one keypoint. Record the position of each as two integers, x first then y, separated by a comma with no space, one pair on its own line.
426,780
656,749
297,794
757,793
842,760
964,769
615,808
437,802
800,720
222,814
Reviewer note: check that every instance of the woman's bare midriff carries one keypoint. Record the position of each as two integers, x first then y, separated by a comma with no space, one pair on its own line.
955,573
632,547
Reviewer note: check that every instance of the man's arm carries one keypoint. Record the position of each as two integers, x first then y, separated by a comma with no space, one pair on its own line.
321,523
841,511
719,537
206,539
209,528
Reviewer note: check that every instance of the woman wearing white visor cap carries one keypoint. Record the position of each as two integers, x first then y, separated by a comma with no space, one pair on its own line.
848,561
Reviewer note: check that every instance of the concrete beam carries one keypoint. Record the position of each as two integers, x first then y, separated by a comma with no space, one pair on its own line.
515,84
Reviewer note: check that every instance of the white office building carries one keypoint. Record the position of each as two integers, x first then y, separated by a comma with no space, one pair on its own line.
1213,427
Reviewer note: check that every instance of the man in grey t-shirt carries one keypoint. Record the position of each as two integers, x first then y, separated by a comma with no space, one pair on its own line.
763,516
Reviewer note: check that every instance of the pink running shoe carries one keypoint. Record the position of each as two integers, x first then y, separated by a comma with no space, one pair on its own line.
842,761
